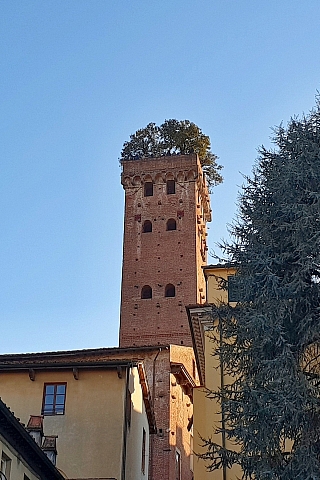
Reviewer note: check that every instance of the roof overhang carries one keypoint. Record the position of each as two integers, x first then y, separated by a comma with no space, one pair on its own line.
200,320
147,398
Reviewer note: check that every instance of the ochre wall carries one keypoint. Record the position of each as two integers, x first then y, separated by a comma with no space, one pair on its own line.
138,423
90,432
214,292
207,415
207,412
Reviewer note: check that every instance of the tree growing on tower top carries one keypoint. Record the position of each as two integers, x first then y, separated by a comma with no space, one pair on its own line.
271,339
174,137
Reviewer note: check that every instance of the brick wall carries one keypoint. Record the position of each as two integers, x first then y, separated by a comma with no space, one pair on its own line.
162,257
156,259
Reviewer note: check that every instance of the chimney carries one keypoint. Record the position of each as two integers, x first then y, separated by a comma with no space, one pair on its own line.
35,428
49,447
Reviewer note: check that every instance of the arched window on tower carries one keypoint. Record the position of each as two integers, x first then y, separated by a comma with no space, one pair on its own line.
171,224
170,290
146,292
147,226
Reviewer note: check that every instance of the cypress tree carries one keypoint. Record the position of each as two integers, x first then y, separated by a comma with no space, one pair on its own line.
271,339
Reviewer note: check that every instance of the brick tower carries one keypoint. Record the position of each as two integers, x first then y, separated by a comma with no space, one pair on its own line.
166,209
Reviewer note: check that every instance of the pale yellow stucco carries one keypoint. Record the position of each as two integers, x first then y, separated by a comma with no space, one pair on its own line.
138,424
214,292
91,433
207,411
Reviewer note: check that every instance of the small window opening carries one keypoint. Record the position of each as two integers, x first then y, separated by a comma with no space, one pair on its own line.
178,465
170,290
128,407
233,289
54,398
171,187
5,466
146,292
148,189
147,227
171,224
143,452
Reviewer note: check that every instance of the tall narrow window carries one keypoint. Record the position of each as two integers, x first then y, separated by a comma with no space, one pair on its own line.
191,453
128,407
54,398
170,290
171,224
147,227
146,292
178,465
171,187
143,452
5,465
148,189
233,289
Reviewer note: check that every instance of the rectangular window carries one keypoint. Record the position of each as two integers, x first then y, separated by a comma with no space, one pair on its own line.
233,289
148,189
5,465
128,407
178,465
171,187
54,398
143,453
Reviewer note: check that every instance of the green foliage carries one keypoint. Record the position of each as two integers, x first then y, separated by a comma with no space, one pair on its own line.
173,137
271,339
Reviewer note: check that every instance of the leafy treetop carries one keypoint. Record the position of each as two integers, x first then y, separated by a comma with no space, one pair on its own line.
174,137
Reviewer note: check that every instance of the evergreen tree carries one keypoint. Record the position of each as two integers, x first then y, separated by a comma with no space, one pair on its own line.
271,338
174,137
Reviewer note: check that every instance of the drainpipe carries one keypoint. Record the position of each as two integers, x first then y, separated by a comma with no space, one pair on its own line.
153,397
125,424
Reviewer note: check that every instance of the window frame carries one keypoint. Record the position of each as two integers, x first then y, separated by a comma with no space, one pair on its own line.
178,464
171,187
143,451
5,467
54,411
233,289
170,288
144,289
170,223
147,226
148,189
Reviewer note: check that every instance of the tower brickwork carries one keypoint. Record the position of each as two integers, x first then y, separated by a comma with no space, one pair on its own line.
167,207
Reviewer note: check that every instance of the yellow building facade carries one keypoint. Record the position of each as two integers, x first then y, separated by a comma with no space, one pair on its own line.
98,407
207,415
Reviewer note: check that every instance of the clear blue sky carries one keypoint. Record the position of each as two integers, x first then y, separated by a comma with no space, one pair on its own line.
77,78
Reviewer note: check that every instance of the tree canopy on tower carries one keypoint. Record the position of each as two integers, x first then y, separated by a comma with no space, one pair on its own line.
173,137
